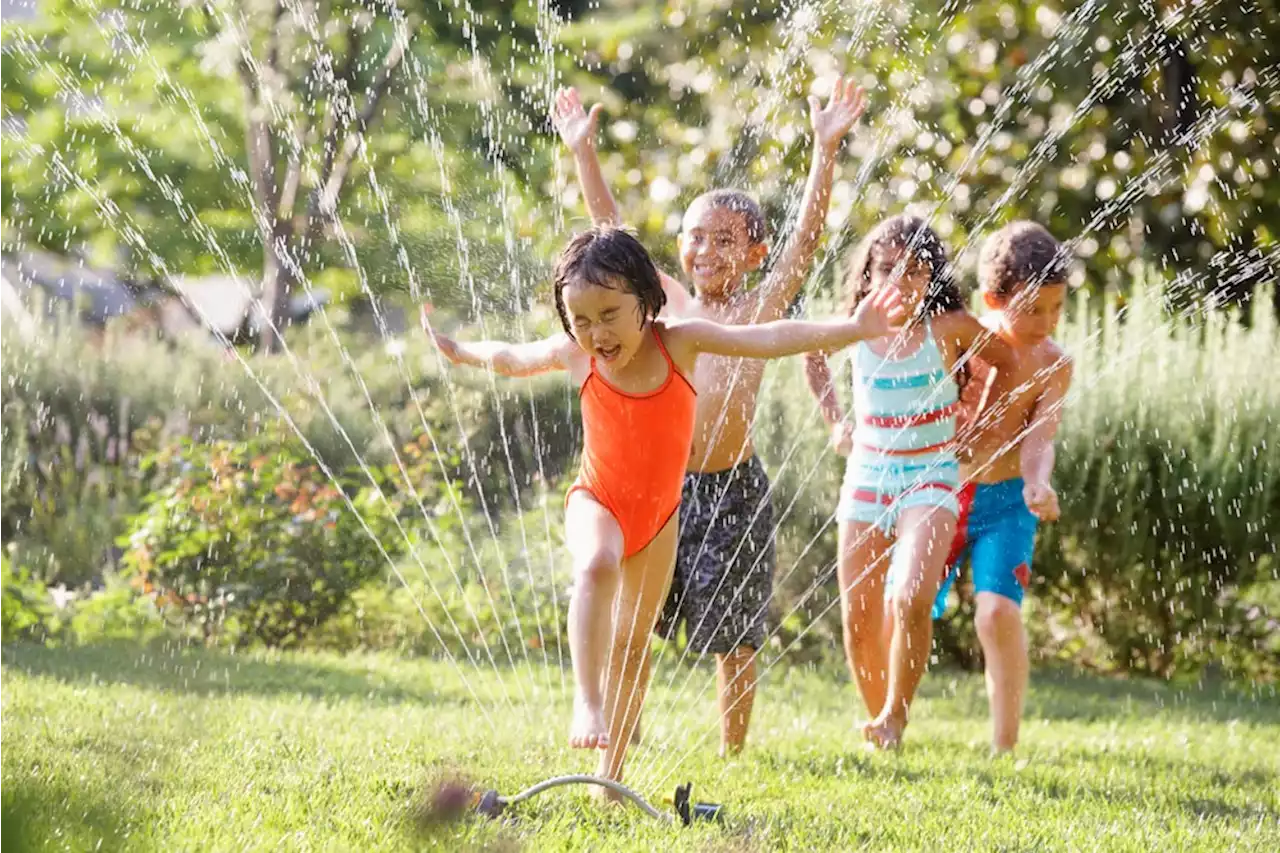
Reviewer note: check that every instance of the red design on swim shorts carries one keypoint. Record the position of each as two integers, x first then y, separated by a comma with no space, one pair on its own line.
1023,574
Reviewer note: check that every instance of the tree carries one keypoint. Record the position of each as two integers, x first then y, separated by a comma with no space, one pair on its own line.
337,143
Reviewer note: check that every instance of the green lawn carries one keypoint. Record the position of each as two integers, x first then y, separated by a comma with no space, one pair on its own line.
169,750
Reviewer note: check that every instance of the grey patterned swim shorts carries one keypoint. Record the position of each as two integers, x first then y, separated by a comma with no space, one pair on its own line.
724,566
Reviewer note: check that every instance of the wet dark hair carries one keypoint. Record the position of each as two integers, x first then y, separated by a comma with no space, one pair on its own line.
612,258
1021,253
740,203
912,234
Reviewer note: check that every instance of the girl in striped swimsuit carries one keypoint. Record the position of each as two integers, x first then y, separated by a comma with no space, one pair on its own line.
897,510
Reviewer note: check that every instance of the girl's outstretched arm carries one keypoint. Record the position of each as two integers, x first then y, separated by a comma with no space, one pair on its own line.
508,359
817,373
874,318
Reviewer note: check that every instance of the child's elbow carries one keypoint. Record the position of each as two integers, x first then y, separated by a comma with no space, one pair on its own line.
504,365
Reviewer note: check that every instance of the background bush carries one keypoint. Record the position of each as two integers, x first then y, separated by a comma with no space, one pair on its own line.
252,540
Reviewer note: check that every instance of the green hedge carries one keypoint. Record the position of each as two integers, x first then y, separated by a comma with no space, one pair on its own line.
1164,560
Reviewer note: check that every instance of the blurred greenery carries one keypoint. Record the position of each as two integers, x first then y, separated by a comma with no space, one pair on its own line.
1142,131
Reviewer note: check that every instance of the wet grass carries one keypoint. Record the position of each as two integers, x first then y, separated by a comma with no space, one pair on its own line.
124,748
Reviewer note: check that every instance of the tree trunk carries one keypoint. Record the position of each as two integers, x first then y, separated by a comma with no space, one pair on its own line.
278,281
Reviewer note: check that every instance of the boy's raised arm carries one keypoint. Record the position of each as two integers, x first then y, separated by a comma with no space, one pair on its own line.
830,125
577,129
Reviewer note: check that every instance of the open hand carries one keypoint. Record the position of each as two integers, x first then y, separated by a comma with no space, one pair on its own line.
575,125
880,314
1042,500
842,438
837,118
446,345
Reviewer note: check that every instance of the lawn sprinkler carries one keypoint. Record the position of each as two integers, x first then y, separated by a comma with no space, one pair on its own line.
492,804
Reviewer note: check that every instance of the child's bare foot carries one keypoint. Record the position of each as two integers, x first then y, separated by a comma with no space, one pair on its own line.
731,750
588,730
605,796
885,732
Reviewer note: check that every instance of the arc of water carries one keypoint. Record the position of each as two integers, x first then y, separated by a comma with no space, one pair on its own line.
349,250
402,257
455,220
547,27
400,23
109,209
175,196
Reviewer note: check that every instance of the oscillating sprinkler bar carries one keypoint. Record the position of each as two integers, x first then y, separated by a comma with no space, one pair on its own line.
492,804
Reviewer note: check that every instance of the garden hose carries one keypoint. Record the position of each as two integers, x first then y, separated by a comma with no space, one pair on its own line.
492,804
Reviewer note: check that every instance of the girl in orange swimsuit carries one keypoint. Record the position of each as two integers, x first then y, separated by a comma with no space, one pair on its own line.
621,515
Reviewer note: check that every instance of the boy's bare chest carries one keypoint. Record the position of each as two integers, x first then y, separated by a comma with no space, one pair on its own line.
1003,402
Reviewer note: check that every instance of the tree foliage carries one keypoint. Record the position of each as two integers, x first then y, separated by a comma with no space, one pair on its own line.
404,145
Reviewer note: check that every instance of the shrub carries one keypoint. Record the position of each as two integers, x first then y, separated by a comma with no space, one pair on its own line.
250,540
482,595
1169,462
26,608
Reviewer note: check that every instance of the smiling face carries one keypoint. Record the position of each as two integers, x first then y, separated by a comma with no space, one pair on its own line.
1030,313
911,279
716,248
607,322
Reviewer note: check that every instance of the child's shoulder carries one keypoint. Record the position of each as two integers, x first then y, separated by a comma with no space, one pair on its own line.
1050,364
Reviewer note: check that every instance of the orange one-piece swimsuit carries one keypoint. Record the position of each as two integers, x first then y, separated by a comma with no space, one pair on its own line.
635,451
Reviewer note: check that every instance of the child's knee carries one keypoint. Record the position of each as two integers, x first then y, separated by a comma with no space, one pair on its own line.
598,567
997,617
914,607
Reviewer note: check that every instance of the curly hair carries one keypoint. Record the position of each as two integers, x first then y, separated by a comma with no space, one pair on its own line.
612,258
1021,253
912,234
741,203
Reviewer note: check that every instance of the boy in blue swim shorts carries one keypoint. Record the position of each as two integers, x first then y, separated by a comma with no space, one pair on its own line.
1005,447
